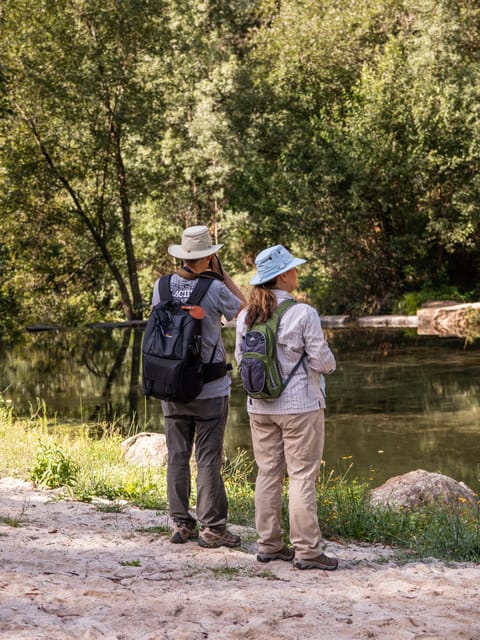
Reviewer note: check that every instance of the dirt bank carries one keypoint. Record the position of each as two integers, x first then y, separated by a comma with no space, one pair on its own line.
72,571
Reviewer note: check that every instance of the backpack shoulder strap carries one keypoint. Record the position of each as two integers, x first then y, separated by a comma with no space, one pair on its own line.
164,290
283,306
279,311
200,290
211,370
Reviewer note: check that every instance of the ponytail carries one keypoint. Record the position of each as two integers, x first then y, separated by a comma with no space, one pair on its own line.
261,304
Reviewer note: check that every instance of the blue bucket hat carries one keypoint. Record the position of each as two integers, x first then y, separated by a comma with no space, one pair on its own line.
272,262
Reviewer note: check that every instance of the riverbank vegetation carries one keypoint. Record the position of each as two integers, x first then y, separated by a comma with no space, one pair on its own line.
85,462
348,131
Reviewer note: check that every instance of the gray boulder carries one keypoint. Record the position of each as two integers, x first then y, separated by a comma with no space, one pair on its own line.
146,449
420,488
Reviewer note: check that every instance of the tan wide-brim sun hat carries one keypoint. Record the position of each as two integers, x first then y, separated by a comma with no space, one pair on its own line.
196,243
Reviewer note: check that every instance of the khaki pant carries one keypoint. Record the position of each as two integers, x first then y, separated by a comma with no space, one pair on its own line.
292,443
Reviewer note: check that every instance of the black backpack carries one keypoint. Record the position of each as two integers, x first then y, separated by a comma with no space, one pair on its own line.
259,369
172,367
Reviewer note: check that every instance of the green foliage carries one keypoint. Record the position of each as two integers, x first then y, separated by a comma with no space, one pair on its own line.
104,473
364,153
9,306
53,468
112,507
10,522
238,478
410,302
80,104
157,530
94,467
347,131
131,563
446,533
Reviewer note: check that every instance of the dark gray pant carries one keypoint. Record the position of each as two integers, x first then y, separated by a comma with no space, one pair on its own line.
202,422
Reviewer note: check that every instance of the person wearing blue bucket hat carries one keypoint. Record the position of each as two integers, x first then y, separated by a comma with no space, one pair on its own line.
288,431
272,262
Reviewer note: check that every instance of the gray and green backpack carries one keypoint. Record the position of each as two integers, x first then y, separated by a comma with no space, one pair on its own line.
259,369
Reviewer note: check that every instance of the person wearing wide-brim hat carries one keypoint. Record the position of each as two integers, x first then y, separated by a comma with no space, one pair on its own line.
196,243
201,420
288,431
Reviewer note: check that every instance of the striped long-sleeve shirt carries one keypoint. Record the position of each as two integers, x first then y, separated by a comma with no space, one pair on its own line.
299,331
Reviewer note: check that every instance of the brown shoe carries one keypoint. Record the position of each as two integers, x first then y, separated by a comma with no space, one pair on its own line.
285,553
183,532
320,562
212,537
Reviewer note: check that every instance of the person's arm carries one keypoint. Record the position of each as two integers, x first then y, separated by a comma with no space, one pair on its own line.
216,265
231,286
319,355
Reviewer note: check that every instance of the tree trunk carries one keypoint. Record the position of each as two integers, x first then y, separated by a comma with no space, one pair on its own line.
137,311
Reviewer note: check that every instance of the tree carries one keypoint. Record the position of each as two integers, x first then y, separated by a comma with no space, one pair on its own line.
118,134
308,58
408,138
198,152
77,85
360,148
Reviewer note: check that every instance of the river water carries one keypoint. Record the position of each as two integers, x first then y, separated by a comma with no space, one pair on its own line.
397,402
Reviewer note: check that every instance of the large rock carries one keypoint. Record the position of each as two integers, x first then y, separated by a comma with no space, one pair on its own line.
420,488
146,449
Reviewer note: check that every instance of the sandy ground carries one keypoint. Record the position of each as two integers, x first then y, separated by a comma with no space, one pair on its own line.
71,570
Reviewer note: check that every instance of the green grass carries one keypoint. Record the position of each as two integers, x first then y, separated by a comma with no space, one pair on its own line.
131,563
230,573
433,531
89,467
237,475
158,530
58,456
111,507
10,522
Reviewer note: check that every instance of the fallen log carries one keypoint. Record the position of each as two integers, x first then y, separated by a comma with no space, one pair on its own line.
451,320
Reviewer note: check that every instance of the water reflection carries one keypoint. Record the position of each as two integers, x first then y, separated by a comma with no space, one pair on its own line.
397,401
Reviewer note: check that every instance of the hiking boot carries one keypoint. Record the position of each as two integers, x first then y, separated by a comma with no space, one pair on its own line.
285,553
320,562
212,537
183,532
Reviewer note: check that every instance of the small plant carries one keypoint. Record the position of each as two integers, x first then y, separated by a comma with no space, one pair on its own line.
235,572
130,563
53,468
227,572
266,574
111,507
158,530
10,522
